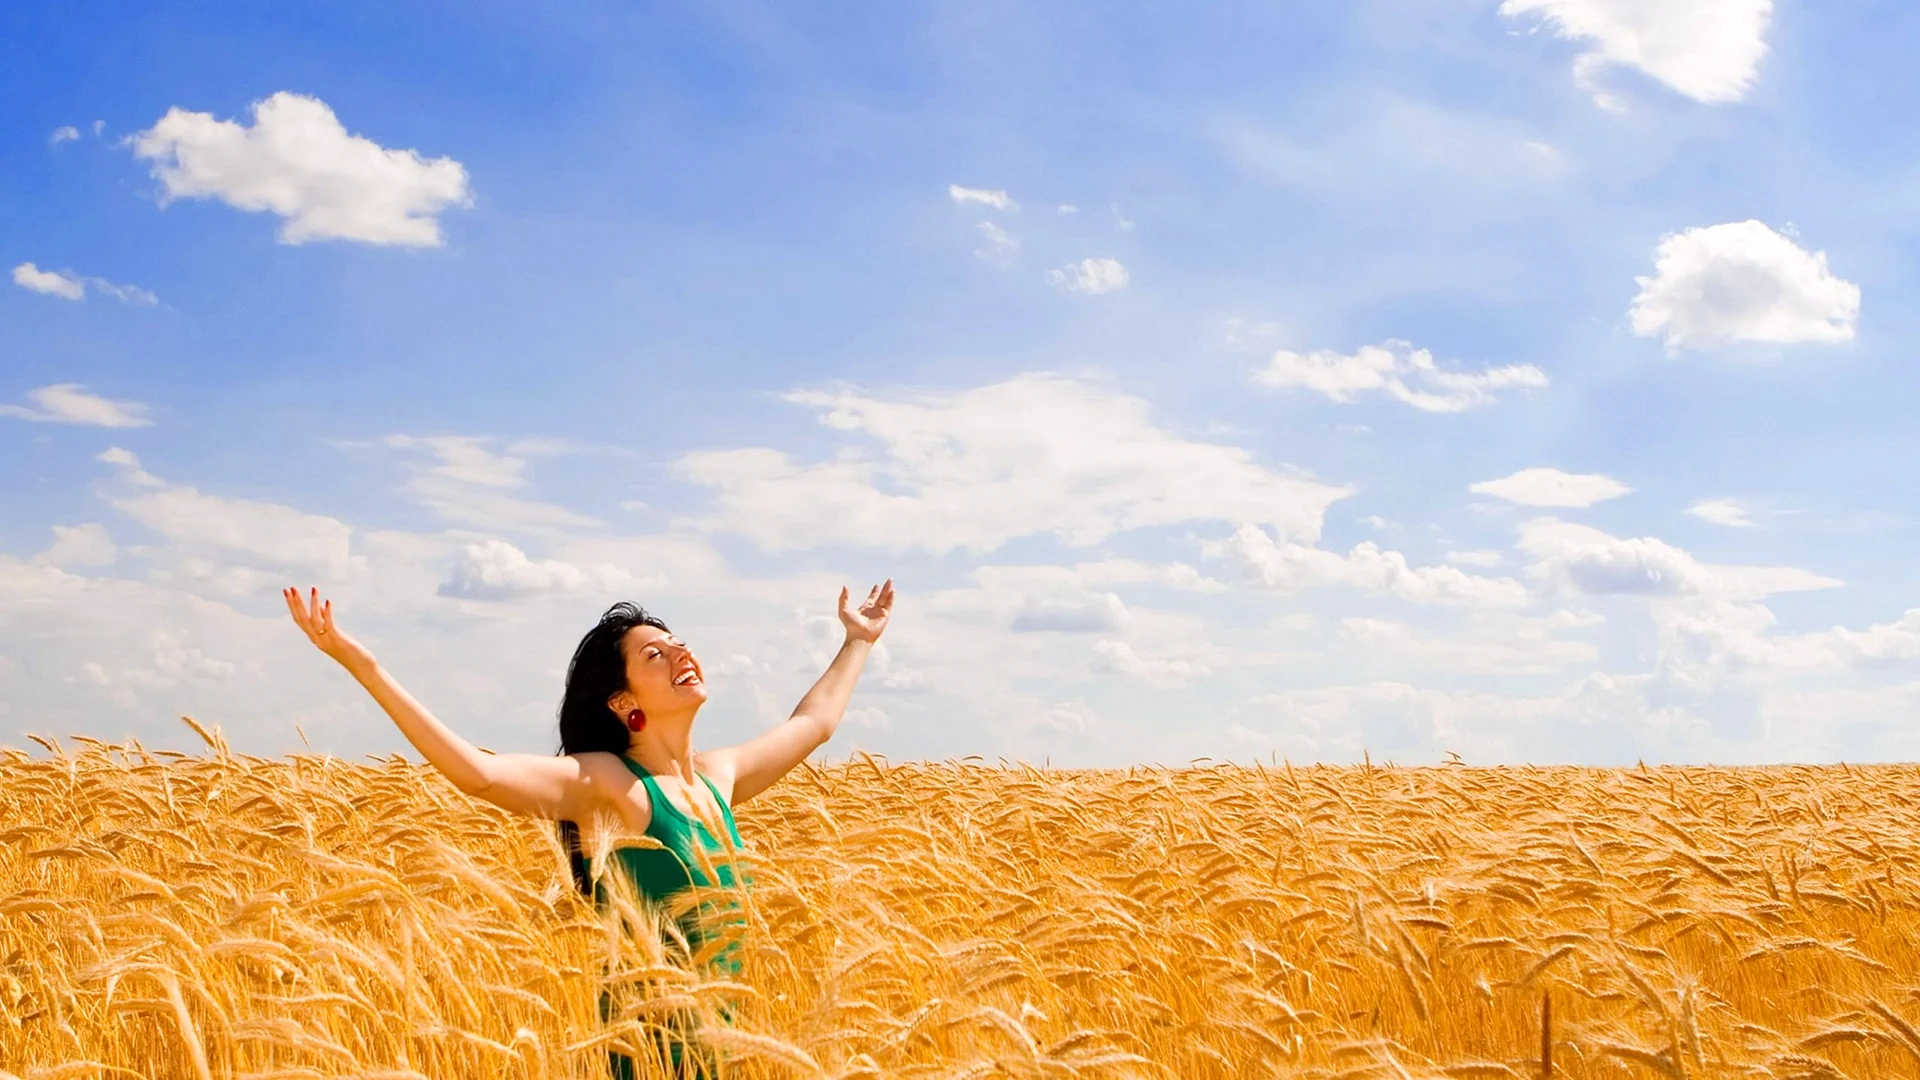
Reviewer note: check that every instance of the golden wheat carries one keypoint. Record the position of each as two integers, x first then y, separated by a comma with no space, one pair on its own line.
165,915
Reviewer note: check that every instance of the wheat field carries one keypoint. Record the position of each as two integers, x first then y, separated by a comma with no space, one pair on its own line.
165,915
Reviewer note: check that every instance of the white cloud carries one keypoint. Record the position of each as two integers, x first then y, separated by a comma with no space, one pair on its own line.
70,403
297,161
126,294
78,545
1095,613
1038,454
1723,284
1398,370
1118,657
1090,276
1290,567
466,459
1590,561
64,133
496,570
1881,644
1706,49
1705,644
1728,512
267,534
1066,717
469,482
999,242
1551,487
1076,598
49,282
72,286
999,200
1068,208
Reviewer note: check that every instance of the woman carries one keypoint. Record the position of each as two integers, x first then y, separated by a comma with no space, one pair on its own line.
626,746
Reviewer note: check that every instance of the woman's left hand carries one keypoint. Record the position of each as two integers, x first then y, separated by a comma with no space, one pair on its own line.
868,621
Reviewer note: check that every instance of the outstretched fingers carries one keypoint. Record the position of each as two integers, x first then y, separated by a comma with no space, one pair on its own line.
312,615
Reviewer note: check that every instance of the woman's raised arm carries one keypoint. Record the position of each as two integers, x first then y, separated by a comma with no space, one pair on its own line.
756,765
531,784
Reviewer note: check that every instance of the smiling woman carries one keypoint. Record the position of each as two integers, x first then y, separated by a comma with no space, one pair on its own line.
627,764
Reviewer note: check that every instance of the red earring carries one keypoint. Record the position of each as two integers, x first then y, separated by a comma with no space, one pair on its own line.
636,720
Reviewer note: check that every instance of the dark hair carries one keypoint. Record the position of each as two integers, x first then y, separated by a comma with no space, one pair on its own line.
597,671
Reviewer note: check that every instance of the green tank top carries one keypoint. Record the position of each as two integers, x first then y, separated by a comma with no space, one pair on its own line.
658,874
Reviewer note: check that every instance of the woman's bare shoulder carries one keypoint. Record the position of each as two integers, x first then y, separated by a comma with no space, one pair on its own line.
613,781
602,766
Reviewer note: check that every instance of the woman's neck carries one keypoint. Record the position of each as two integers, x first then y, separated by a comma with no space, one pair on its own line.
665,749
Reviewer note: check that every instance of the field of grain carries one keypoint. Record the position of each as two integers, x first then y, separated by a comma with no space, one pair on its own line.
222,915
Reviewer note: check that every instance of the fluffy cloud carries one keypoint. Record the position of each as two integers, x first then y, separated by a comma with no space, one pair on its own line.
1289,567
1723,284
1728,512
1551,487
1066,718
1398,370
1589,561
1705,49
49,282
1090,276
78,545
70,403
496,570
65,133
297,161
999,200
1707,645
1038,454
259,533
1120,658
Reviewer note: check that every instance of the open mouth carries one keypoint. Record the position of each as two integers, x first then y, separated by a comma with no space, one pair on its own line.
687,677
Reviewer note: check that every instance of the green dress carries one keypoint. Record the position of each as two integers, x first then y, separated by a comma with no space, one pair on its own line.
658,874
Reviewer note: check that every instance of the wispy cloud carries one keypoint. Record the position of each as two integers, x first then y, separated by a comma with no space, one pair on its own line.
71,286
71,403
1729,512
1398,371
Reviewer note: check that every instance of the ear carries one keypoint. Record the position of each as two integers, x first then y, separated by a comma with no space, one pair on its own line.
621,703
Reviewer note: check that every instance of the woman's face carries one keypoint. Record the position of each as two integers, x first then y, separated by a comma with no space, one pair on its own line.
662,674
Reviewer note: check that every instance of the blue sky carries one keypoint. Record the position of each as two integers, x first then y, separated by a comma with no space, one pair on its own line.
1528,380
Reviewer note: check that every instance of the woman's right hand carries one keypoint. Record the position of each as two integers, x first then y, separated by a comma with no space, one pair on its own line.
316,621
